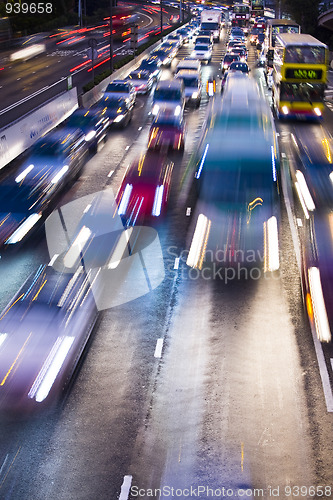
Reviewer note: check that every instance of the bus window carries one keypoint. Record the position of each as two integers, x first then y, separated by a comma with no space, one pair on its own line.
304,92
314,55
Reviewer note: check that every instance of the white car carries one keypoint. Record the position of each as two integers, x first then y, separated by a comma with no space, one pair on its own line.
203,52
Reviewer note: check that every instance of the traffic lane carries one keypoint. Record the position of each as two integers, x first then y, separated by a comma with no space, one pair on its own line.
95,177
312,137
229,406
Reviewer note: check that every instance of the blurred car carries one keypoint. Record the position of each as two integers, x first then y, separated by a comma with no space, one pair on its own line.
192,85
205,33
93,125
237,212
27,193
189,64
175,38
145,188
152,65
203,52
186,34
46,325
234,67
117,109
312,178
169,94
227,60
121,89
165,55
167,131
141,80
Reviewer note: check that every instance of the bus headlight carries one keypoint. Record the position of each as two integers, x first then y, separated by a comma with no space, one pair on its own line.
285,110
317,111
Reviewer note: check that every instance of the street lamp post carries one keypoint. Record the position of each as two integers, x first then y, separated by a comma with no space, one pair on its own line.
111,37
161,4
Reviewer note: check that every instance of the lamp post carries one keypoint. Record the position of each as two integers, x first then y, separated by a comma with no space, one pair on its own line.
111,37
161,18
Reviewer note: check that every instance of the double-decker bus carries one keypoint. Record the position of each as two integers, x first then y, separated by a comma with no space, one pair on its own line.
240,15
257,8
299,76
276,27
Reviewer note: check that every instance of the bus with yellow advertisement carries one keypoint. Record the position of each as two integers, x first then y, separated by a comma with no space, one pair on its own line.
299,76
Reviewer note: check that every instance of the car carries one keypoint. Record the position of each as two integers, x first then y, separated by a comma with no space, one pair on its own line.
241,52
144,192
153,65
28,191
167,131
186,34
205,33
175,38
165,55
192,85
169,94
121,89
227,60
204,39
141,80
203,52
234,67
188,63
118,110
93,125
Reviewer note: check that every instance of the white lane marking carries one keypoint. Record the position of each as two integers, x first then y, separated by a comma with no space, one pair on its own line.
140,128
176,263
188,211
158,348
318,347
127,148
110,173
125,488
3,464
331,363
299,222
287,202
323,373
55,256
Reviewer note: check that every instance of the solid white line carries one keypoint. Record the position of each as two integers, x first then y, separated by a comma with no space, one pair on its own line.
110,173
294,234
176,263
158,348
125,488
323,373
55,256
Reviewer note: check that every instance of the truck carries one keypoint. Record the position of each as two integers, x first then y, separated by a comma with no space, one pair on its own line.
211,19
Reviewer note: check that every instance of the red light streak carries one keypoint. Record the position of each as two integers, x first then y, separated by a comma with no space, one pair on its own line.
66,40
80,65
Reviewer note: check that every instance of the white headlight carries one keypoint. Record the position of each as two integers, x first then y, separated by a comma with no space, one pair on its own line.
90,135
119,118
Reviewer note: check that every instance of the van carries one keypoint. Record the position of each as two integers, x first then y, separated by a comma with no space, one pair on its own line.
192,85
189,64
169,94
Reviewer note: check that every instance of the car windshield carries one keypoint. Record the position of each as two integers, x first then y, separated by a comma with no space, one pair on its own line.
201,47
303,91
50,148
138,76
167,95
190,81
113,103
117,87
81,121
17,198
209,26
